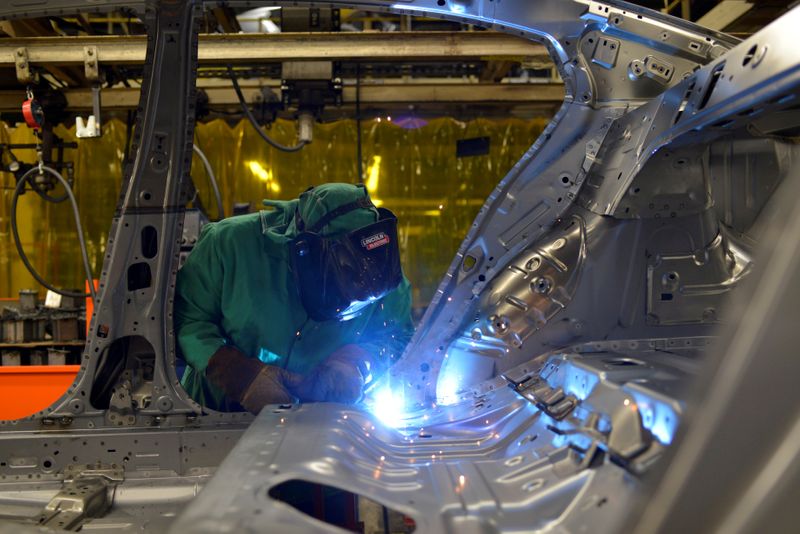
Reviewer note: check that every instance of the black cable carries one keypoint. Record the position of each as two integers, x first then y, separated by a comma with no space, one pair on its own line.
254,122
15,231
226,113
358,123
386,527
212,179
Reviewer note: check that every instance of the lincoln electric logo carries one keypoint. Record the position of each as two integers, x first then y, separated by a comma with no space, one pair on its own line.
375,241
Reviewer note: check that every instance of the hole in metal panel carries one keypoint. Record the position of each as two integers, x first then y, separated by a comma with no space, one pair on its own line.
139,276
748,57
149,242
336,506
623,362
712,84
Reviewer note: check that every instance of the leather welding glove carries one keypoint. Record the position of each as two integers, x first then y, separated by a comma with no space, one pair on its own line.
248,381
340,378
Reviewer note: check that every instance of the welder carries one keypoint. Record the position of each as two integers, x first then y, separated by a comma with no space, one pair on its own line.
305,301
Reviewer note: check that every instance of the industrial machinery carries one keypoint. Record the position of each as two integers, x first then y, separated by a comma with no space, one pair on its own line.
571,373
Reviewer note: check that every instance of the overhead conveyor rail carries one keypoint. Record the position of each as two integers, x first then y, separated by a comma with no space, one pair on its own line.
546,95
218,50
232,48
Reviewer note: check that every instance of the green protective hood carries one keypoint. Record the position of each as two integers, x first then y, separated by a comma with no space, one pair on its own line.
236,289
279,225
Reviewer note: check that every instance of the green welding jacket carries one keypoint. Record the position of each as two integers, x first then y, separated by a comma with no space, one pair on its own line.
236,289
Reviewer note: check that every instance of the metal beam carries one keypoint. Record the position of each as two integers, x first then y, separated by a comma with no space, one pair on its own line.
389,93
247,48
226,18
724,14
462,92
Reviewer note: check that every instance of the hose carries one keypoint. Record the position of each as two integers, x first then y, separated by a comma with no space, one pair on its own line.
85,255
212,179
254,122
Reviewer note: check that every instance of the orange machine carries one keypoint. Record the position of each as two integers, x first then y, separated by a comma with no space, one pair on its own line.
25,390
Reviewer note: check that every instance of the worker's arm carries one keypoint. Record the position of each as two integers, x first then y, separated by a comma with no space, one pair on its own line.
198,320
198,311
342,376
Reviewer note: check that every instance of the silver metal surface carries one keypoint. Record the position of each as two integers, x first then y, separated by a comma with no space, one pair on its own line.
688,288
737,464
491,462
537,397
537,285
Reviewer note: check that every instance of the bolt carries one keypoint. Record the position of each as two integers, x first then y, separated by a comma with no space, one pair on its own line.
541,285
709,314
499,324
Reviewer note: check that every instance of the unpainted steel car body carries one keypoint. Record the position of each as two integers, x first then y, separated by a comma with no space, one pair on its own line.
571,373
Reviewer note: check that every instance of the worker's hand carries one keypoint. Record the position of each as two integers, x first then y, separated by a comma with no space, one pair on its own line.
269,387
340,378
248,381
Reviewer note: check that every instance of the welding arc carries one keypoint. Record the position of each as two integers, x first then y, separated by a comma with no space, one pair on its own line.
254,122
14,230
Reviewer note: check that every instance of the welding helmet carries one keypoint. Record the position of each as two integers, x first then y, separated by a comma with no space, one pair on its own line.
337,276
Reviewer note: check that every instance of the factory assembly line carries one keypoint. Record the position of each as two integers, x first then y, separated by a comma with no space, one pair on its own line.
611,349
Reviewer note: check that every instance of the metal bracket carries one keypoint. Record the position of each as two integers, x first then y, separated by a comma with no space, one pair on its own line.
91,66
23,66
127,398
112,473
92,127
551,401
624,438
87,493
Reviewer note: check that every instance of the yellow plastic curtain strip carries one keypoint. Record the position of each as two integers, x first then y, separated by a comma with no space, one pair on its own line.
412,171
